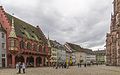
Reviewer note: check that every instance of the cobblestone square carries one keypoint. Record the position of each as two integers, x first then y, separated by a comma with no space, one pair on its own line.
92,70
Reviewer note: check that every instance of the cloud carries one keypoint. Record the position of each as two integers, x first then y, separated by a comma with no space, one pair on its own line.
77,21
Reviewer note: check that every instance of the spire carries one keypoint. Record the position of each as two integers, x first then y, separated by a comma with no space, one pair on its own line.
12,32
48,41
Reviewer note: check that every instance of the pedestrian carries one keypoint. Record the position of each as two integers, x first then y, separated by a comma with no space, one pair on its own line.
67,65
23,67
56,66
17,67
78,65
85,65
62,65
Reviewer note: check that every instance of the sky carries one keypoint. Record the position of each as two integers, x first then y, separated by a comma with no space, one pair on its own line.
82,22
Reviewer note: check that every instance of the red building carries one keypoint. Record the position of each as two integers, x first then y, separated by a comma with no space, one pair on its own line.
25,43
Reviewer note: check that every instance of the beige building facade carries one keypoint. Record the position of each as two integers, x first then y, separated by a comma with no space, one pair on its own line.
79,54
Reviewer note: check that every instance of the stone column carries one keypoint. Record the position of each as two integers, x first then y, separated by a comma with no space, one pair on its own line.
25,59
48,61
34,61
13,61
42,61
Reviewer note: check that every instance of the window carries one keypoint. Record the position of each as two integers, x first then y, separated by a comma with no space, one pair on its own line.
3,35
3,55
37,47
40,48
29,46
22,44
34,47
3,45
44,49
12,43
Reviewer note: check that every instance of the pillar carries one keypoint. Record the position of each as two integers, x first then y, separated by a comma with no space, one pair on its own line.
48,61
25,59
34,61
42,61
13,61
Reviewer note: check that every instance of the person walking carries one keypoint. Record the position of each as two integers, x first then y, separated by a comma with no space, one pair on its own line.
23,67
78,65
85,65
19,67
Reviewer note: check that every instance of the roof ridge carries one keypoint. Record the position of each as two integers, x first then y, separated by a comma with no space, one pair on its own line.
31,29
20,19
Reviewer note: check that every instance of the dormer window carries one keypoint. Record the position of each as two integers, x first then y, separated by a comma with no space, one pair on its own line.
24,28
32,36
33,31
40,38
23,33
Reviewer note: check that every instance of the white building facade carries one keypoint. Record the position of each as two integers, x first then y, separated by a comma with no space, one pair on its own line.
3,60
53,55
61,55
90,58
58,53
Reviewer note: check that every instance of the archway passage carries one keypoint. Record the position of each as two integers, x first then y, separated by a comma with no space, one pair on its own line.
30,61
38,61
19,59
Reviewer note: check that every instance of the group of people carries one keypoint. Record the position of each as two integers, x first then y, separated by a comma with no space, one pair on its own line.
20,66
60,65
85,64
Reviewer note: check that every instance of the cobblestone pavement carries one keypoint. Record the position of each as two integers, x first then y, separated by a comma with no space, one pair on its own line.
92,70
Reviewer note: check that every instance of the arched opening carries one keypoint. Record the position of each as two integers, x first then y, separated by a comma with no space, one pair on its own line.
38,61
30,61
9,60
19,59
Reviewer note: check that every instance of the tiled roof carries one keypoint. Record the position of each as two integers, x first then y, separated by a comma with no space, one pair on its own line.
103,52
77,48
26,30
88,51
74,47
67,48
56,44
